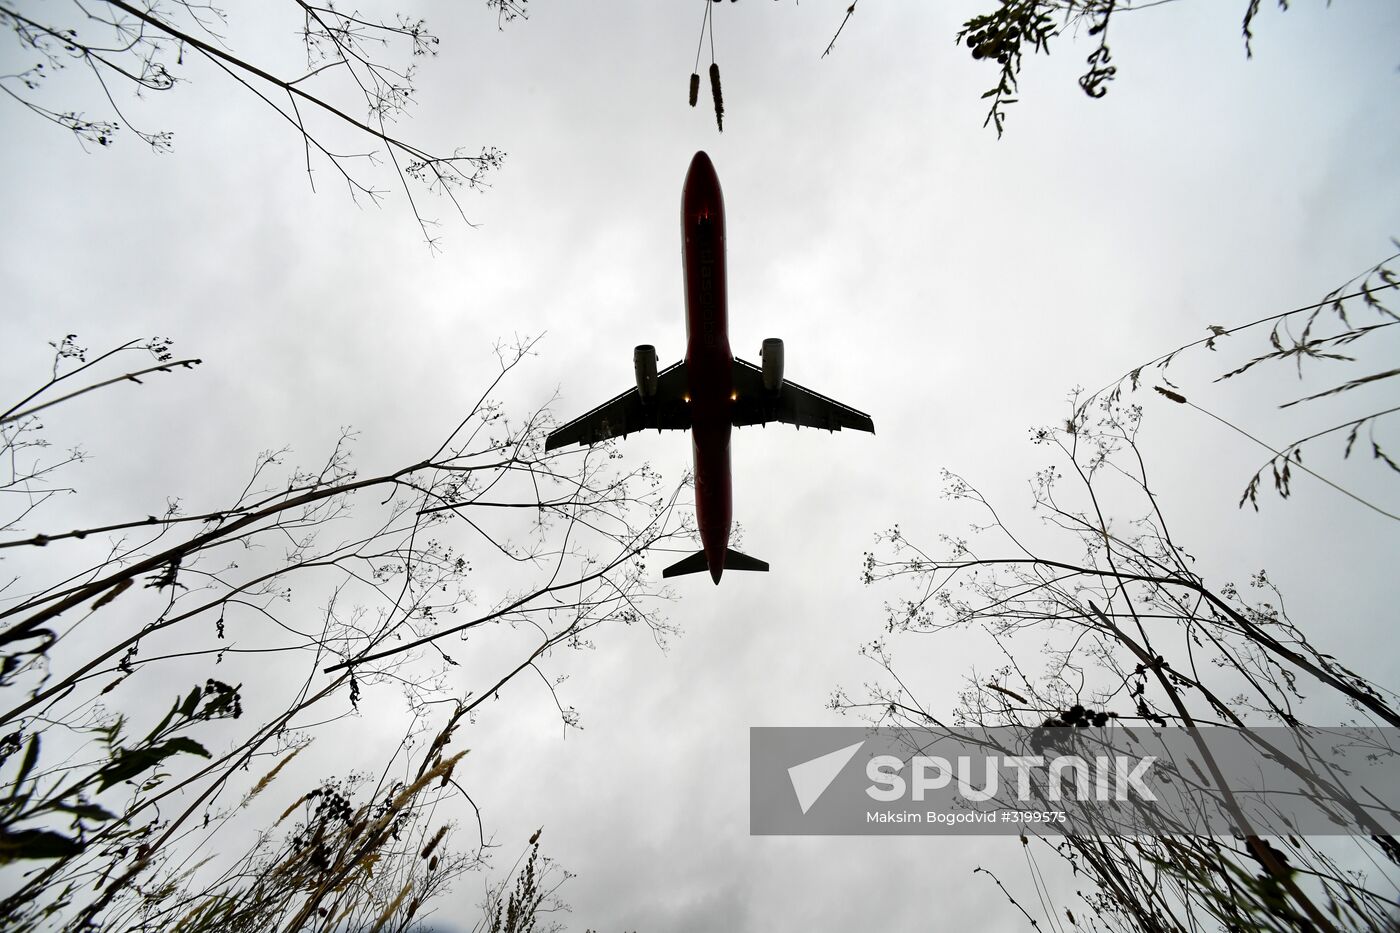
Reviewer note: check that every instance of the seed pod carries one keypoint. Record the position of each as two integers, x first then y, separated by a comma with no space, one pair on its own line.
694,89
719,98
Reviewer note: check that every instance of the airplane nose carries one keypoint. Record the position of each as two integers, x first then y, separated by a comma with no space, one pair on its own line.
700,196
701,175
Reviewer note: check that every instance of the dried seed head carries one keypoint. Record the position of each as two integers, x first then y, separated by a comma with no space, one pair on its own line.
433,844
694,89
288,812
270,776
391,909
719,97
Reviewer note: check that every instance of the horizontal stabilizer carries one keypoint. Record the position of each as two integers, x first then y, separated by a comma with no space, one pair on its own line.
692,564
733,560
696,563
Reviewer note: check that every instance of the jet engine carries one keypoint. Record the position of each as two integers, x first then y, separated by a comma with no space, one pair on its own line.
772,356
644,364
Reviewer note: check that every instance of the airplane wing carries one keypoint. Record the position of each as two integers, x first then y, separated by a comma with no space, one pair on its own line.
792,404
627,413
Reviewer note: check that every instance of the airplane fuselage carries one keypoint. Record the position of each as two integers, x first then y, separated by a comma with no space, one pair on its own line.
708,359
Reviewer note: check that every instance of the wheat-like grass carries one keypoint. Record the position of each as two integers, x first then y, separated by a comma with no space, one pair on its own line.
389,911
269,777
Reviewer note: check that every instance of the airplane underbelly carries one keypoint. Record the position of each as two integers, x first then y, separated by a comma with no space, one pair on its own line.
713,500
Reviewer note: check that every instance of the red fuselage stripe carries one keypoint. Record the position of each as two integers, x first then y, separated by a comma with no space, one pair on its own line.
709,363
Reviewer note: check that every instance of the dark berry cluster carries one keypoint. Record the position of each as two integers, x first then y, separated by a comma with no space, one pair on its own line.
1077,715
988,43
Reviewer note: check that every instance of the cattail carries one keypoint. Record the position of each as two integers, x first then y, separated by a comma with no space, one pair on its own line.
433,844
121,587
694,89
719,98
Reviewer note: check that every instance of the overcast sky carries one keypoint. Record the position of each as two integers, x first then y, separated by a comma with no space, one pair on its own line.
953,285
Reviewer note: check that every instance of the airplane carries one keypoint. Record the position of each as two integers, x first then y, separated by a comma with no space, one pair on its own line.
710,391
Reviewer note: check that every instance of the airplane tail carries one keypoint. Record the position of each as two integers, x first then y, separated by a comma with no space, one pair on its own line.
696,563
